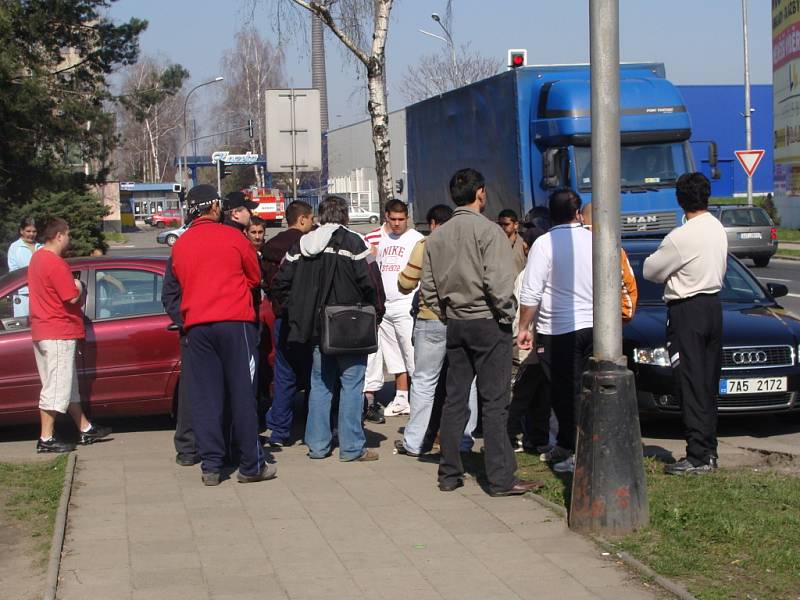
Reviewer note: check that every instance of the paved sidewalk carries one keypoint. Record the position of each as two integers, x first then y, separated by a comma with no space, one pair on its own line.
142,527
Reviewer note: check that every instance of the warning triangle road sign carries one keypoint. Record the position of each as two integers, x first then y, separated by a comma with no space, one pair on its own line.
749,160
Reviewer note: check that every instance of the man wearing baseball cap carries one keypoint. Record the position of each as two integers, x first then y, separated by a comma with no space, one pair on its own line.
216,268
238,210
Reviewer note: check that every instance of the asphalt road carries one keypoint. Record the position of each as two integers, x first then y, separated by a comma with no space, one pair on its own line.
765,433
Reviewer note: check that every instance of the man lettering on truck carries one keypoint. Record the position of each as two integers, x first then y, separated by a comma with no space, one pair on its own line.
393,243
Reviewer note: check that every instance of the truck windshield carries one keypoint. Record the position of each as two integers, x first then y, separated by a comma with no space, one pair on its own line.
644,166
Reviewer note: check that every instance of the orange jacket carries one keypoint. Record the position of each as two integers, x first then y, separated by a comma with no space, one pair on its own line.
630,293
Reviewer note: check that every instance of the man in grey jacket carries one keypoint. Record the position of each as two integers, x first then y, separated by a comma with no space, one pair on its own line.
468,280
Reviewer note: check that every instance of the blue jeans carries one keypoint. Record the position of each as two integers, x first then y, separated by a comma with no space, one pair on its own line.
329,373
429,354
292,362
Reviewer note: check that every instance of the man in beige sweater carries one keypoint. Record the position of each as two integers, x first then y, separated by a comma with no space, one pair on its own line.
692,261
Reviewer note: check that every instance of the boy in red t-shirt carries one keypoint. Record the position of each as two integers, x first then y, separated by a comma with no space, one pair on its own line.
56,326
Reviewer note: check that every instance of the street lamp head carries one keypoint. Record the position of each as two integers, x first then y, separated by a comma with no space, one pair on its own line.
220,78
435,17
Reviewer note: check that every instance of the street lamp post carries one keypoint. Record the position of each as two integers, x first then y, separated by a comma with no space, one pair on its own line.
447,40
747,110
609,494
185,106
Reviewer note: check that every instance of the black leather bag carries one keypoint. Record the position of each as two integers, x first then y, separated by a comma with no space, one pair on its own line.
346,328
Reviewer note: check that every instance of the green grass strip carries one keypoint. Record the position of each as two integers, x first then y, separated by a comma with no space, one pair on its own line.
30,494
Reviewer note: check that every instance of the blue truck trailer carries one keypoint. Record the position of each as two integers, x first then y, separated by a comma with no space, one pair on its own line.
528,131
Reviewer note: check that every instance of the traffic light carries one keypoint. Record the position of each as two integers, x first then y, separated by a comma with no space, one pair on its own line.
398,186
517,58
221,170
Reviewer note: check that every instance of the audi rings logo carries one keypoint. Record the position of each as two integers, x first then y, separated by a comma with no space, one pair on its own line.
750,358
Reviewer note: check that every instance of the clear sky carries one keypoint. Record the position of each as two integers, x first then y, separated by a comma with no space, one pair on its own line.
700,41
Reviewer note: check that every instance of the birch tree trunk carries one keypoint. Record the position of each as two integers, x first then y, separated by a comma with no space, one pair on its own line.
375,63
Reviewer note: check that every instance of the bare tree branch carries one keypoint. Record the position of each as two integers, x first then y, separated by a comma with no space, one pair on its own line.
324,13
436,74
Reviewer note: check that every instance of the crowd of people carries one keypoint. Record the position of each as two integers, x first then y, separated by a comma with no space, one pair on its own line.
482,326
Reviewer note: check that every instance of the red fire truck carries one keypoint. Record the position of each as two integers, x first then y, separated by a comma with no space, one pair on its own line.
271,205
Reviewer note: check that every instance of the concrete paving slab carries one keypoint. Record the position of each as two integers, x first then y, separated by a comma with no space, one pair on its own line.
323,529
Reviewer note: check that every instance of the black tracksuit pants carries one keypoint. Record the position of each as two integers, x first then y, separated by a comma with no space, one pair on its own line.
694,345
479,347
184,434
222,369
564,358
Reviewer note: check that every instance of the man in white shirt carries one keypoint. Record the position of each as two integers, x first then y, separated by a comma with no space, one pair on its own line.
393,243
556,293
692,261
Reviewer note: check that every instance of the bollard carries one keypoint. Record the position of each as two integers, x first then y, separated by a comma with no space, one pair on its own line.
609,489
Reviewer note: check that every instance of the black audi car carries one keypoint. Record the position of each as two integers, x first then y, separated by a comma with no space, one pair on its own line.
760,370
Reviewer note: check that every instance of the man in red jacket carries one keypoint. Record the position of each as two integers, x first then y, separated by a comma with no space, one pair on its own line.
217,268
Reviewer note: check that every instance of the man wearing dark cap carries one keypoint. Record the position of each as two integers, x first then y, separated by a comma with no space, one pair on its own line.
217,268
238,210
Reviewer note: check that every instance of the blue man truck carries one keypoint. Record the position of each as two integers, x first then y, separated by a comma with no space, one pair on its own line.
528,131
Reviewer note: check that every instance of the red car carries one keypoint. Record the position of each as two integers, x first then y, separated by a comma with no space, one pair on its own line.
164,218
128,364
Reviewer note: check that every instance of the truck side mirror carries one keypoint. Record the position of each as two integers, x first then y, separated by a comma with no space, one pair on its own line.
550,168
715,173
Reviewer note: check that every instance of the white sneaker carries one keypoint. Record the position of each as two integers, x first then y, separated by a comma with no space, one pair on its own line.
565,466
396,408
556,455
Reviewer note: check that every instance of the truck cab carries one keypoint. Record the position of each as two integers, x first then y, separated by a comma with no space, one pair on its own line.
655,132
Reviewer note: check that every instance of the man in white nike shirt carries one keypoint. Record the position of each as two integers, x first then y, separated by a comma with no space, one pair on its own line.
392,243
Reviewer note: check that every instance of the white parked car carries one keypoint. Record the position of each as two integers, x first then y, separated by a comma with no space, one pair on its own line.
170,237
360,215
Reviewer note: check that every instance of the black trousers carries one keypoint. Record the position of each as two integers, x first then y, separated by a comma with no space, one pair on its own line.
564,358
694,344
222,374
479,347
184,434
529,411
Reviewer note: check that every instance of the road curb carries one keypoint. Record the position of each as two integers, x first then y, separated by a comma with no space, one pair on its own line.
785,257
642,569
56,545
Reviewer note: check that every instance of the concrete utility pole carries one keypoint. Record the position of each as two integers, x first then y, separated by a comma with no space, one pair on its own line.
748,138
609,493
319,81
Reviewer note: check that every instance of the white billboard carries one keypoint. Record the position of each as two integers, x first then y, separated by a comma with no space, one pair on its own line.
294,132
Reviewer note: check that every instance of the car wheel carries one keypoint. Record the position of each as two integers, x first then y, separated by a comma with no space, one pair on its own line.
373,220
171,239
761,261
161,225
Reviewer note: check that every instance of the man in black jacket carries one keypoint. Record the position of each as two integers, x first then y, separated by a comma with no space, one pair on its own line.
300,287
292,360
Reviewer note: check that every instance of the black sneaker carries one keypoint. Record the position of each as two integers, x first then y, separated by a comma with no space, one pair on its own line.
401,449
187,460
685,467
374,413
451,486
96,432
53,445
211,478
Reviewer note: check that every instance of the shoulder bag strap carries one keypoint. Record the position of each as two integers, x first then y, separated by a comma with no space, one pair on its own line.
329,283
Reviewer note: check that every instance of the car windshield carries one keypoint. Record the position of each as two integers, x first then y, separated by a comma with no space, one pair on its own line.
745,217
643,166
738,287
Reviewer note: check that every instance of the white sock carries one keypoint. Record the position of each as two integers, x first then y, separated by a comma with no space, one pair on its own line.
401,396
87,429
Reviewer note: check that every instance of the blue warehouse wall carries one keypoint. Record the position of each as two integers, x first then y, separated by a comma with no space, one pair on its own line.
716,113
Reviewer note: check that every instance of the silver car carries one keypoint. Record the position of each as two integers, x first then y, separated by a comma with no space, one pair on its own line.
360,215
170,237
751,233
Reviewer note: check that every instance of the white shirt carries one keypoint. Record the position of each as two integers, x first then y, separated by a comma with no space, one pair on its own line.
558,279
692,259
393,252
